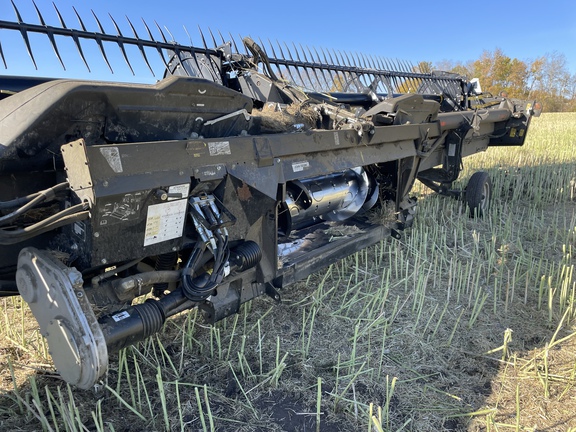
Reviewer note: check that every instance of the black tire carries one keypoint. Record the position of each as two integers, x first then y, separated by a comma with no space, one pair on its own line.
479,194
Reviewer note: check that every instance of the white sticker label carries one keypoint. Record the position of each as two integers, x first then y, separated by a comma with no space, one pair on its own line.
219,148
121,316
300,166
181,189
112,156
165,221
336,138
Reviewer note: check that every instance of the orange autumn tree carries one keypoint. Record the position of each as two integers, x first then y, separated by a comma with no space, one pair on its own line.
546,78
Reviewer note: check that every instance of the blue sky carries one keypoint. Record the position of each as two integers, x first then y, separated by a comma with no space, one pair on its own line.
407,30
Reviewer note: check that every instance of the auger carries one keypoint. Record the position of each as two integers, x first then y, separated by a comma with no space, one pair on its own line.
219,183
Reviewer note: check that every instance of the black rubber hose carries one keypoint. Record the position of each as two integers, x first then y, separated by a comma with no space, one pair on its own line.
64,217
4,205
45,195
8,237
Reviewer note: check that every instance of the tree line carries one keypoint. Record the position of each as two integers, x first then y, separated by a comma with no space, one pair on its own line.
546,79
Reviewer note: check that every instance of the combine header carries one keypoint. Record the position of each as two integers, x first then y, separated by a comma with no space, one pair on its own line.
220,183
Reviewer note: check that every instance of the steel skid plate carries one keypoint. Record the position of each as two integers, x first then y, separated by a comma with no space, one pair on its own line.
55,296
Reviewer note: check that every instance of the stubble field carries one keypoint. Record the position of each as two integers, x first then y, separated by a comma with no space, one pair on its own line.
462,325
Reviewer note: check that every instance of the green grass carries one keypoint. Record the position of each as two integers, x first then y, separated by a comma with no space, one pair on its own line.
463,324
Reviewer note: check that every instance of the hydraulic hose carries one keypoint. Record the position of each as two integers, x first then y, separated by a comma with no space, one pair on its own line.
31,201
64,217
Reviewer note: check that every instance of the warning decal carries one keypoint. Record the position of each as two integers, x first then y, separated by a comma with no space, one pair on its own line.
165,221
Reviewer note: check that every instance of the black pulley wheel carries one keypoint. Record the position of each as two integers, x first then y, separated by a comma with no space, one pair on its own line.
479,194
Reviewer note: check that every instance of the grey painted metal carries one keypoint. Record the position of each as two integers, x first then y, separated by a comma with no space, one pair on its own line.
55,295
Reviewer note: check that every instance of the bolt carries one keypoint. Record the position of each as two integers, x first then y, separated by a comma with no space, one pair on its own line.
105,183
96,234
162,195
103,261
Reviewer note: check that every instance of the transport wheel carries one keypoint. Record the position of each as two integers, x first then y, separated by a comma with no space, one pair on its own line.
479,193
